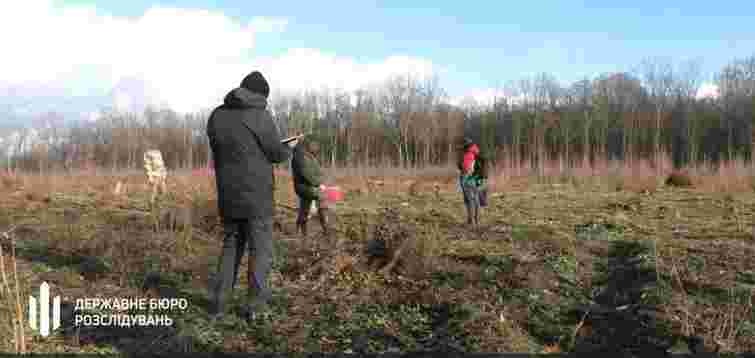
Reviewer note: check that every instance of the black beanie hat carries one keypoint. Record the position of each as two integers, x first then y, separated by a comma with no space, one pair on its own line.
256,83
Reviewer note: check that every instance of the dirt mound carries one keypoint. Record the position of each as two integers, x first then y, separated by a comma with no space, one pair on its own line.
679,179
389,242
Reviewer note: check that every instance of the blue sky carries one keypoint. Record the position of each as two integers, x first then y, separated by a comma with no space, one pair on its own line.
498,39
474,45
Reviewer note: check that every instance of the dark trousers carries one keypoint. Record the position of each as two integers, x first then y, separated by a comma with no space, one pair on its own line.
305,207
258,232
471,196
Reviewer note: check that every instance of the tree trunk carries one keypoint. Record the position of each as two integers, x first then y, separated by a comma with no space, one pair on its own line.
658,140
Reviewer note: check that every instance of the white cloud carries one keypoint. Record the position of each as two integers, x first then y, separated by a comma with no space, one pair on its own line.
180,51
122,101
189,58
92,116
478,97
307,69
268,24
485,97
707,90
136,94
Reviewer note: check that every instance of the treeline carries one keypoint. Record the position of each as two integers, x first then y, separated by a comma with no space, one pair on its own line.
648,113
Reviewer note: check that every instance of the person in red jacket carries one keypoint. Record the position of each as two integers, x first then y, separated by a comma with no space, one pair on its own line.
470,181
470,155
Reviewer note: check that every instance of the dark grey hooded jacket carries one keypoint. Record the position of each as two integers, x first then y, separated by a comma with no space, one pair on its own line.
245,143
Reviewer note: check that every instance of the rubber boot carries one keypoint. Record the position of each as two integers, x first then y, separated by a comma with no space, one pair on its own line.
215,295
322,214
219,292
301,227
255,299
260,265
301,221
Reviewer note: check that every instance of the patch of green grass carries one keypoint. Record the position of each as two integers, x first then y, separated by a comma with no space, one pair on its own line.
71,277
451,279
746,328
746,279
527,232
709,295
324,326
563,265
265,338
600,271
209,336
206,337
461,314
150,264
633,248
548,322
569,289
281,260
491,266
38,267
600,231
696,264
662,293
414,321
545,323
43,254
32,248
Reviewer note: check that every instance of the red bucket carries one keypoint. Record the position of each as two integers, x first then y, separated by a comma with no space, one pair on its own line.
333,193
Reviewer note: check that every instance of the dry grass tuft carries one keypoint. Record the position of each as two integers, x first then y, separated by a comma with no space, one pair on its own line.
10,182
11,293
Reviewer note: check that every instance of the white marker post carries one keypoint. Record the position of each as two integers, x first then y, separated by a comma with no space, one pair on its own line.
44,309
33,312
56,313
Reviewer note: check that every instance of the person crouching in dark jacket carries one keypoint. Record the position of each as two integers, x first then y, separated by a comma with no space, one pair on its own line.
308,185
245,143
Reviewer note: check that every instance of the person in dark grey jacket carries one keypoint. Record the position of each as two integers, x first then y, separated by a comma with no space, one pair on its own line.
245,144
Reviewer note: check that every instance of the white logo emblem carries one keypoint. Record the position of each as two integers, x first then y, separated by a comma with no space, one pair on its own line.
44,311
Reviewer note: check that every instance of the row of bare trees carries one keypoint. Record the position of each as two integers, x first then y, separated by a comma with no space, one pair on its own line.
646,113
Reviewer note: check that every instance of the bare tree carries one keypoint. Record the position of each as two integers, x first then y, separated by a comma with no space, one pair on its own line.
658,77
737,80
736,83
407,120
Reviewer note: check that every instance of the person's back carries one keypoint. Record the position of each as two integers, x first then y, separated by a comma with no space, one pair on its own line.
306,170
245,144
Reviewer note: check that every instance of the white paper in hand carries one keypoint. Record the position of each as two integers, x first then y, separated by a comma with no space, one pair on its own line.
291,139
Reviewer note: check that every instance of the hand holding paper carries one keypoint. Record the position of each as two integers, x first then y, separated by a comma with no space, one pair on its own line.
292,141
